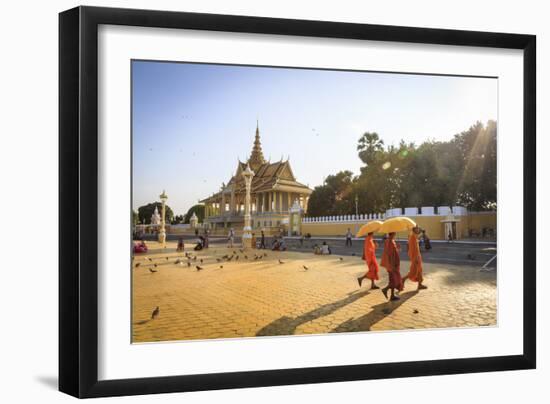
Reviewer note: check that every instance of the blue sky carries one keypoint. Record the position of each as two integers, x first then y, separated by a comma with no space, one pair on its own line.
191,122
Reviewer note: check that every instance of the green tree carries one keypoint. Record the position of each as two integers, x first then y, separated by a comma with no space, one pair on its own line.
369,146
146,211
334,197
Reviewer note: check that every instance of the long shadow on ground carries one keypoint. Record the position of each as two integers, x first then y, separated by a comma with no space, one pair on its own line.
287,325
378,313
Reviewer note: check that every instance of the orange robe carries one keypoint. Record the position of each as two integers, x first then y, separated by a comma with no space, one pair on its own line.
415,271
369,252
392,262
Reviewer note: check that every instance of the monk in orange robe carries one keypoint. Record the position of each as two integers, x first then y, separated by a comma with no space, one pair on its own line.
392,262
415,271
369,255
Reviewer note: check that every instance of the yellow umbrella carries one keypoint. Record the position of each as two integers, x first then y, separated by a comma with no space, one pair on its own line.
397,224
370,227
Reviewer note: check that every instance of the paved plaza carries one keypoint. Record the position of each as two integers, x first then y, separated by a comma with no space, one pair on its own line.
277,295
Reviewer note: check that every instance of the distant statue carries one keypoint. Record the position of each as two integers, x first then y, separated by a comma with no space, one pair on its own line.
155,218
194,221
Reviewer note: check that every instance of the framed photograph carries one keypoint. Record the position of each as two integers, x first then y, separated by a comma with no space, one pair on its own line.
250,201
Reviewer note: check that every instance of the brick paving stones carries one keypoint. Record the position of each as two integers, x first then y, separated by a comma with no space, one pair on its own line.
261,297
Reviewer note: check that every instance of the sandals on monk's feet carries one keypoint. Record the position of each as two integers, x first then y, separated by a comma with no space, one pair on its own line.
394,298
422,287
375,287
385,292
359,281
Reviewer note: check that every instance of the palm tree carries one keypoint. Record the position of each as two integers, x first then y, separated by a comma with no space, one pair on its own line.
368,146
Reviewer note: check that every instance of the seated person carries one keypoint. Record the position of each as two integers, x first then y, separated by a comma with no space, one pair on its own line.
200,245
325,249
276,246
316,249
282,245
140,247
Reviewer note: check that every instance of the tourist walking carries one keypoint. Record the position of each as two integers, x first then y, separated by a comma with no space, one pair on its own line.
262,240
230,238
369,255
415,270
391,261
348,238
181,245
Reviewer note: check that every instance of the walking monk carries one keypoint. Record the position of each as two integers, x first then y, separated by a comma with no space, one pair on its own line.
369,255
415,271
391,261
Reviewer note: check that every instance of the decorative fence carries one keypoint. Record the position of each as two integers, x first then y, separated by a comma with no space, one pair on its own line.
423,211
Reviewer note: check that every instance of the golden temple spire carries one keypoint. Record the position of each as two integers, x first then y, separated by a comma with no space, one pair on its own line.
256,157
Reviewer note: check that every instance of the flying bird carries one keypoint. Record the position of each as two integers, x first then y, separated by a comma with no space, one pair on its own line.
155,313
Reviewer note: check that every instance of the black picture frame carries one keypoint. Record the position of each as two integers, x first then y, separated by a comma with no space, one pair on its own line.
78,196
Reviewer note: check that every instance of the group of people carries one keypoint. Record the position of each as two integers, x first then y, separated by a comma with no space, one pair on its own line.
391,261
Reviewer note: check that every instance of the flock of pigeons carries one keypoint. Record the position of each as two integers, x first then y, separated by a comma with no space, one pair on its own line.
190,260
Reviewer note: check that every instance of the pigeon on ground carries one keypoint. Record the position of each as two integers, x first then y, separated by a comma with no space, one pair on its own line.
155,313
306,268
155,265
199,268
341,259
241,250
218,260
166,258
152,270
201,260
177,261
138,264
265,254
221,266
188,264
195,258
281,262
237,258
415,311
149,258
245,257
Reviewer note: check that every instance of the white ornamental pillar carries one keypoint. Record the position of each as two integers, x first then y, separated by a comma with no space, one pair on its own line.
247,174
162,233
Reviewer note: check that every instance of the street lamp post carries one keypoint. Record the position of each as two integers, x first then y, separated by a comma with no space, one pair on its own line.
162,233
247,174
356,213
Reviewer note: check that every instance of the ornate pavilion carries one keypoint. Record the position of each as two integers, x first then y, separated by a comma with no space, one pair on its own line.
274,191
